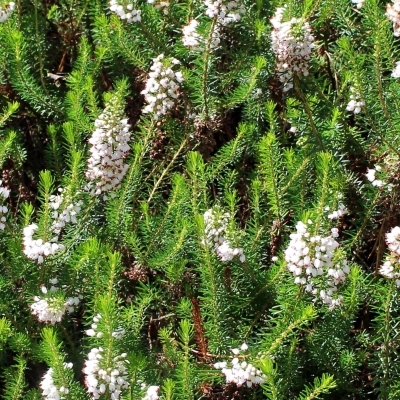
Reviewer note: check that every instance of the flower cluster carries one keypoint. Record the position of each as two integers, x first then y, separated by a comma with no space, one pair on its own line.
311,260
388,269
371,172
396,71
292,44
355,104
126,13
4,194
100,377
49,389
117,334
106,166
5,12
162,87
92,332
225,12
337,213
393,14
358,3
53,306
37,249
152,393
240,372
68,215
190,36
393,240
215,229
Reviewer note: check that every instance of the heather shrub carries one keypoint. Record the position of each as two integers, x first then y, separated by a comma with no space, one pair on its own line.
199,199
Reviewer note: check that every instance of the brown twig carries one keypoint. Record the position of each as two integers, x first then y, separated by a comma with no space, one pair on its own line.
199,329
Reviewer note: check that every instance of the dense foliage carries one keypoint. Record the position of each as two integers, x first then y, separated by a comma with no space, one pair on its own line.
199,199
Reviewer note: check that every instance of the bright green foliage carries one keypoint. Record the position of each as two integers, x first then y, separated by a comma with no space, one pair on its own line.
190,255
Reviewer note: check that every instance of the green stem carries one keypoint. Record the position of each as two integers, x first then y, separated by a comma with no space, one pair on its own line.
167,169
150,35
206,62
386,343
308,112
39,48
